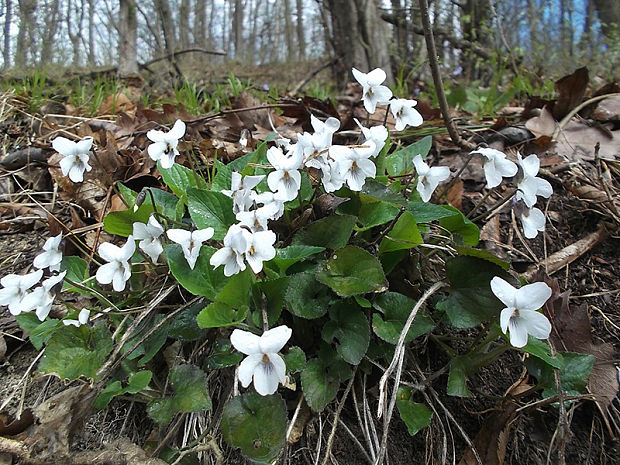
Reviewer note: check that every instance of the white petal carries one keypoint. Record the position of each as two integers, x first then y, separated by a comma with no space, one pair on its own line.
155,135
247,368
533,221
76,173
376,77
530,165
533,296
245,342
118,281
140,232
518,332
109,252
504,291
274,339
156,150
493,177
167,159
66,164
84,145
279,367
440,173
265,379
201,235
506,167
128,249
105,274
177,131
421,168
83,316
360,77
536,324
64,146
504,318
180,236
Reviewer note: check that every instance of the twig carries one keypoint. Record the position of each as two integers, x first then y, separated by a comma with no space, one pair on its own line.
310,75
576,110
397,362
441,96
599,171
332,434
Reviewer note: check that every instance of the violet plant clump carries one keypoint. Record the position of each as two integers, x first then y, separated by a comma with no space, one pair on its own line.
293,256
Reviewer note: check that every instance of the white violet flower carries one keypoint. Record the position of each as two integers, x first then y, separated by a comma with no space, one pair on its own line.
190,242
260,250
404,113
241,191
377,134
41,299
148,234
262,364
429,178
236,243
372,90
496,166
83,317
118,270
51,256
354,163
531,186
164,148
533,220
15,289
286,179
520,316
76,156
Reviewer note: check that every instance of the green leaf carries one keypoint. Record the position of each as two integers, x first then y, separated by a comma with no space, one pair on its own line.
189,384
352,270
77,272
484,254
222,179
139,381
294,253
404,235
375,190
306,297
113,389
400,162
121,222
425,212
574,371
211,209
179,178
184,326
223,355
348,328
396,309
220,315
149,347
471,301
332,232
460,225
416,416
203,279
75,352
128,194
256,425
275,293
457,379
40,332
319,383
539,349
295,360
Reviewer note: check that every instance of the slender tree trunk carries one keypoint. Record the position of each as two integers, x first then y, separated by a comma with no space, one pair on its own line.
238,28
8,16
127,38
25,35
74,30
609,15
49,36
165,16
288,31
91,33
200,24
184,13
301,31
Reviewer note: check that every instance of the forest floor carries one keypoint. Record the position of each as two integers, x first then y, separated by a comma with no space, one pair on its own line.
582,230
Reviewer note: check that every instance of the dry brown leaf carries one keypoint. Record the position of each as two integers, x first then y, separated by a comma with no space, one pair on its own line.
571,90
115,103
455,194
491,231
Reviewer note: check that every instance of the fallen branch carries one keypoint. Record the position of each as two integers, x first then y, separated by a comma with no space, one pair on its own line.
567,255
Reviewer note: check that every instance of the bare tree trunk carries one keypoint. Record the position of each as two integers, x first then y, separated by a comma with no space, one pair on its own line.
165,16
238,28
288,31
49,36
200,23
91,33
25,36
8,16
184,13
127,38
301,36
74,30
609,15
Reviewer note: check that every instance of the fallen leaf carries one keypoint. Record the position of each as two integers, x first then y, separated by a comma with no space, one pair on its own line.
571,90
